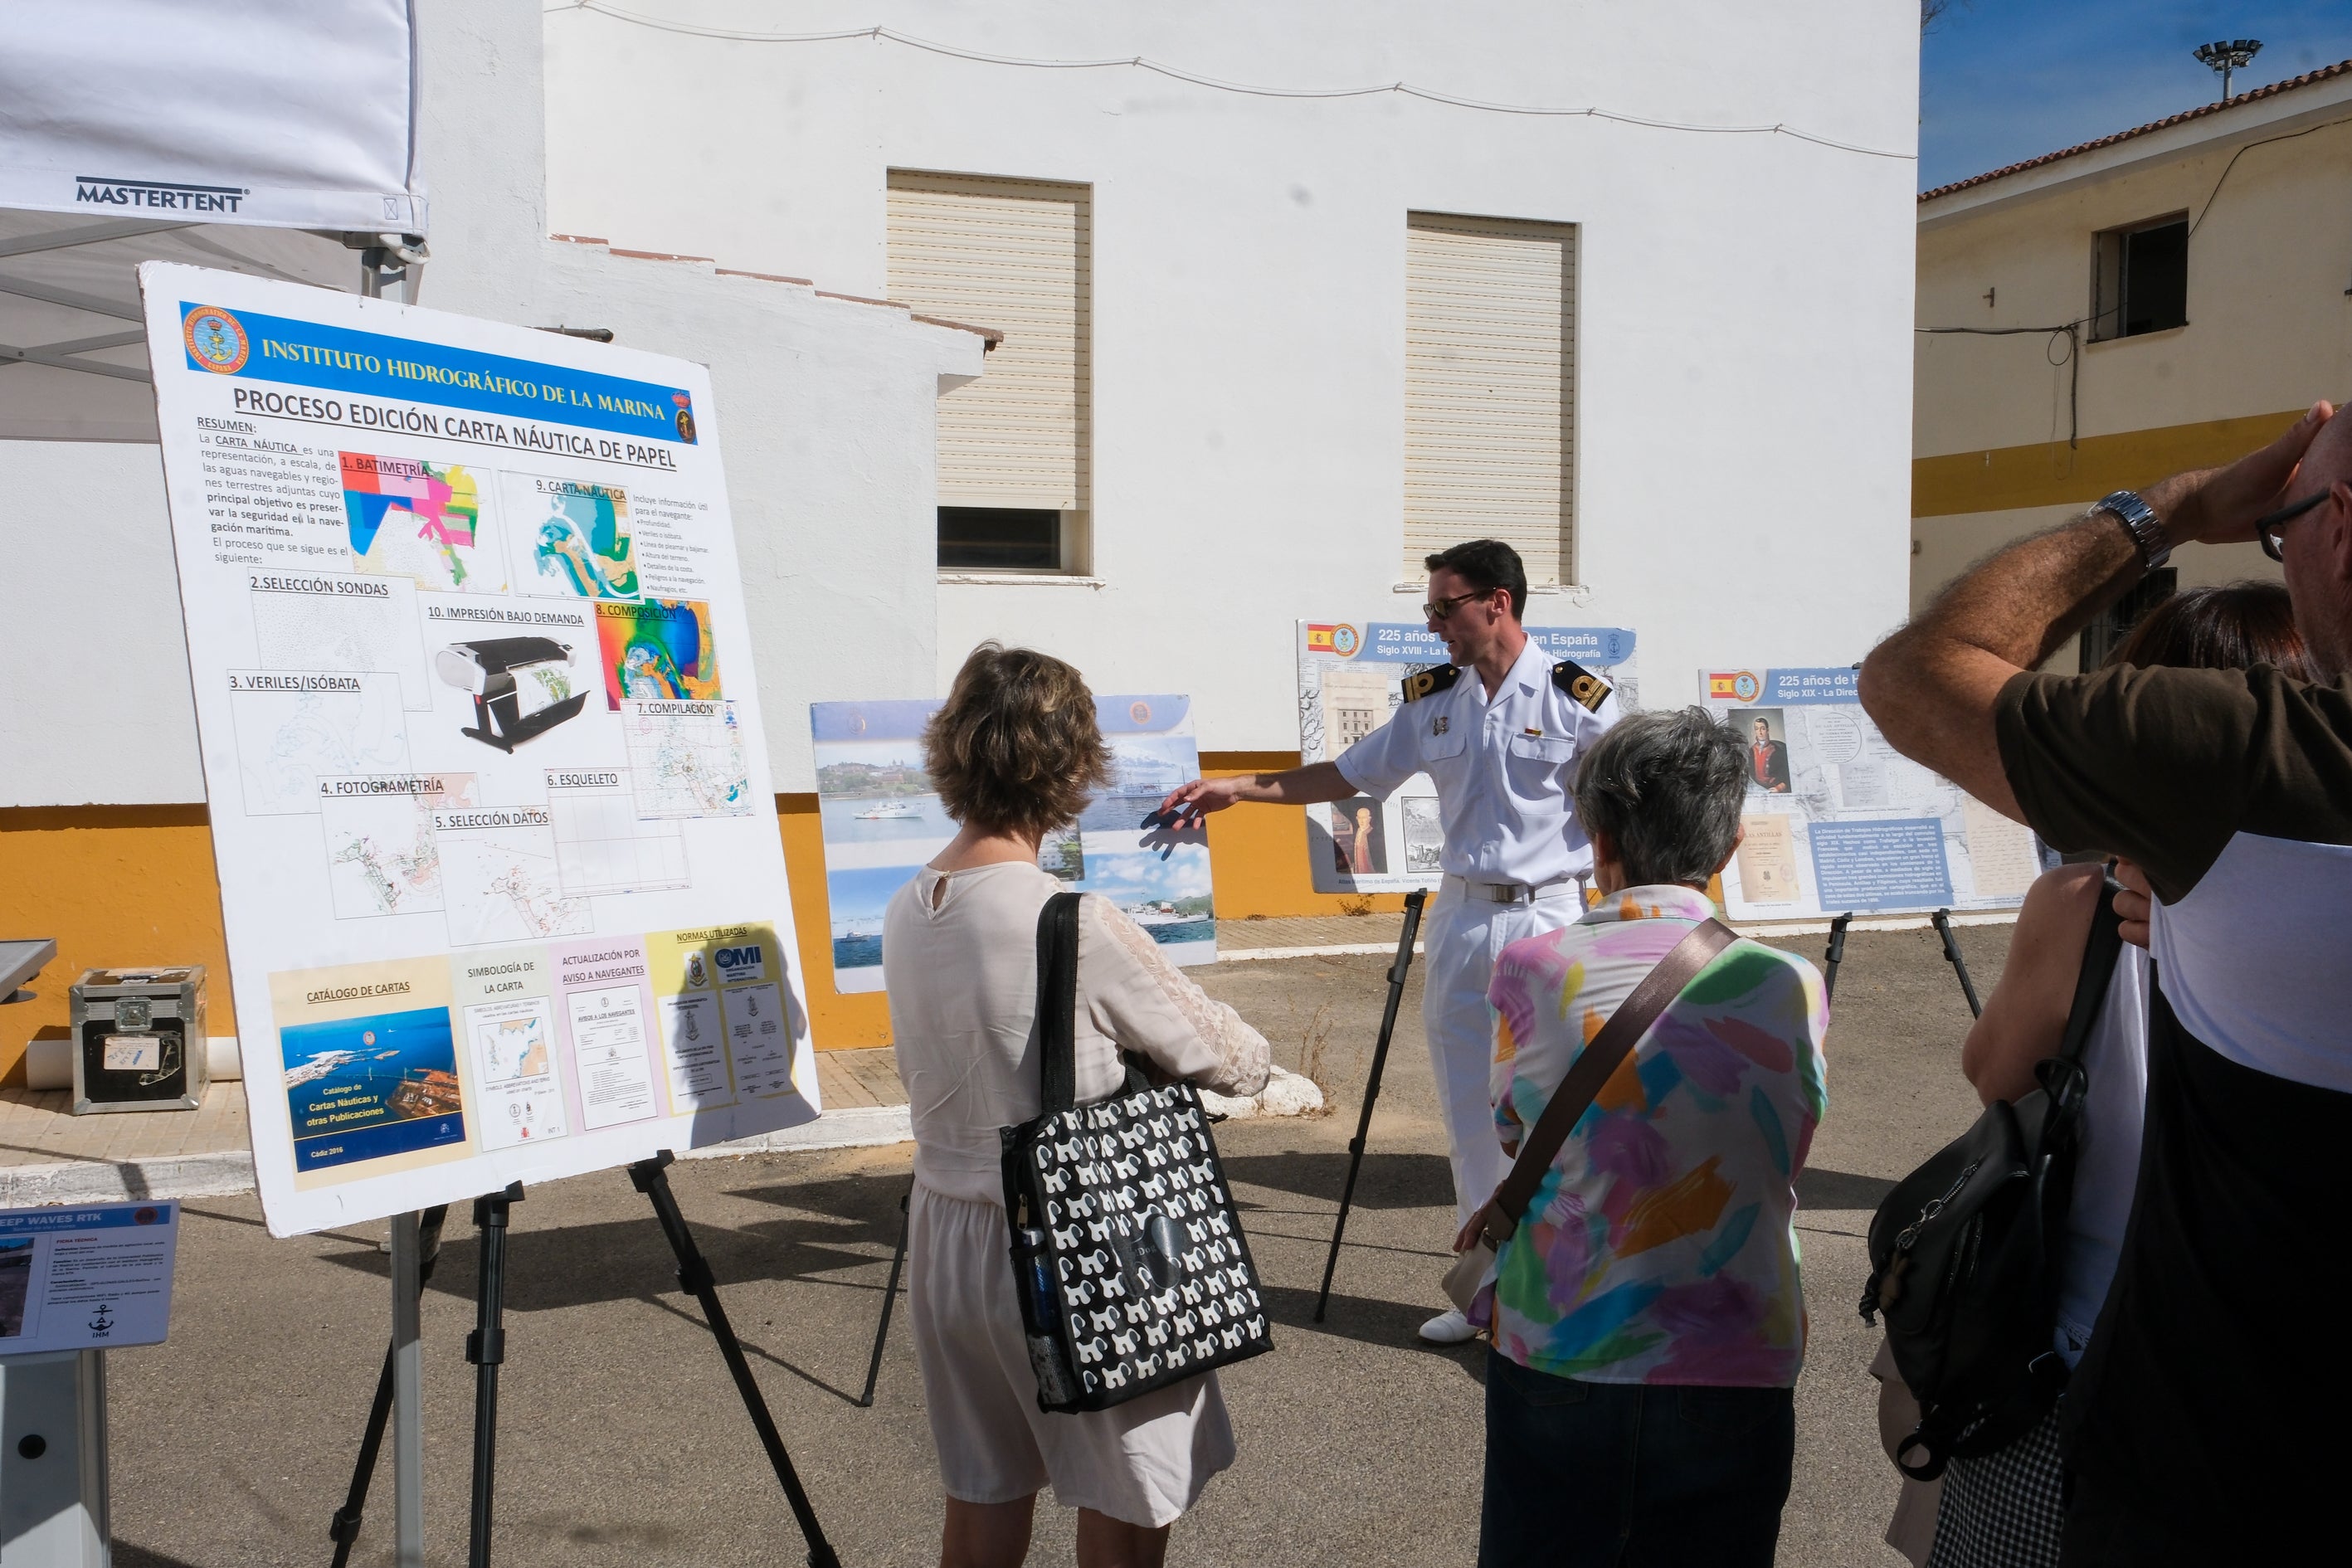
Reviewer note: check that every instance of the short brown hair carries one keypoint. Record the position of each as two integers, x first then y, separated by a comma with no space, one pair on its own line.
1486,564
2235,627
1016,748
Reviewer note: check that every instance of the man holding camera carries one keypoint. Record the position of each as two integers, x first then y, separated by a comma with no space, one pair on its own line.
1499,728
2205,1423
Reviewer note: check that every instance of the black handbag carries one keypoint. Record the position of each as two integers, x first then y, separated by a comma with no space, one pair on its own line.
1127,1256
1963,1252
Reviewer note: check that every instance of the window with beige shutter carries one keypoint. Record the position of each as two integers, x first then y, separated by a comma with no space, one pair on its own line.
1489,389
1016,256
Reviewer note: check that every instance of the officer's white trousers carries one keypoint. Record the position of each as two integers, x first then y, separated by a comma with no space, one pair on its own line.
1461,939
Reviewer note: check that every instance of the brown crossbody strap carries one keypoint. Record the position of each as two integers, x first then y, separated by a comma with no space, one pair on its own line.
1577,1092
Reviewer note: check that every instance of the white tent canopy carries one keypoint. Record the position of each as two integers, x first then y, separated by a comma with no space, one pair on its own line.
211,132
288,113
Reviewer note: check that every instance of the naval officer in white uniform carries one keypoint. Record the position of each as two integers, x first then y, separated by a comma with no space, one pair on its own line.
1499,729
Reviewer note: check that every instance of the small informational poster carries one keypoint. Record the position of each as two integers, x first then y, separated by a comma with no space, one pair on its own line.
882,819
86,1276
481,732
1838,822
1350,679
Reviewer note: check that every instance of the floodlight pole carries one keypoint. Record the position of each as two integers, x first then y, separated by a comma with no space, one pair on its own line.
2227,55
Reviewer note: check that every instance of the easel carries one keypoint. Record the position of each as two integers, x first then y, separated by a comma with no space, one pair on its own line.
1941,920
485,1348
1412,905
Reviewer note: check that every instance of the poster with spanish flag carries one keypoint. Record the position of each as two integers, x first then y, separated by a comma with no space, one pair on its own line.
1350,679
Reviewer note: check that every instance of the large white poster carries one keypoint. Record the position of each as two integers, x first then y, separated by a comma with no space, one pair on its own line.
497,851
1350,679
1839,822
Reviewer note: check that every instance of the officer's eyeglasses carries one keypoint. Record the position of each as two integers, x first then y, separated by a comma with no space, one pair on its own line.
1439,609
2267,528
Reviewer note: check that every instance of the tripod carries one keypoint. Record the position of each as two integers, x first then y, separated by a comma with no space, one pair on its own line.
1413,906
485,1348
1942,919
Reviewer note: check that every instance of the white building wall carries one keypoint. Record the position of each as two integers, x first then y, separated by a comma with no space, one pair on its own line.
1744,347
826,413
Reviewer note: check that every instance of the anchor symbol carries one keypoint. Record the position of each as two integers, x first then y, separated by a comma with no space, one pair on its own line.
102,1321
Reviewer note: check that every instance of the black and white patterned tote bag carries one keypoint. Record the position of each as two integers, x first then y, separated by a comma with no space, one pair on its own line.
1128,1259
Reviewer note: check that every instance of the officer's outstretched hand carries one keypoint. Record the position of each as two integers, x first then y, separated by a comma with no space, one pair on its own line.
1187,803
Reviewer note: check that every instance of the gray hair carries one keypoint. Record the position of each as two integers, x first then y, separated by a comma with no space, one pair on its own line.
1667,788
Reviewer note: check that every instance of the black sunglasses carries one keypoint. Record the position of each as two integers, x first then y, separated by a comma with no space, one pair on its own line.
2267,527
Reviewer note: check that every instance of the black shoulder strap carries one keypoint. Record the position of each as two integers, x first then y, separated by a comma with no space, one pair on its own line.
1422,682
1584,688
1054,1027
2100,953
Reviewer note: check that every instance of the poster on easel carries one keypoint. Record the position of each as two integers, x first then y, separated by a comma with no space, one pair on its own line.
1838,822
1350,682
499,865
881,820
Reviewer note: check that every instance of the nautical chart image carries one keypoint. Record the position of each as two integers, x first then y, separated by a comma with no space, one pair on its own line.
380,857
571,538
295,727
686,759
500,880
421,521
660,648
340,621
601,846
514,1063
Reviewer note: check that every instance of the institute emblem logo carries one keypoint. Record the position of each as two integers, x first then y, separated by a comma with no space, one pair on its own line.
214,339
1740,686
1343,641
1140,712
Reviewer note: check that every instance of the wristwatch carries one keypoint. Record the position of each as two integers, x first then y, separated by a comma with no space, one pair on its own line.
2139,520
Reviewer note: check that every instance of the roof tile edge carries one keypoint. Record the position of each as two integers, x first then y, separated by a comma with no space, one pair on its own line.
2275,90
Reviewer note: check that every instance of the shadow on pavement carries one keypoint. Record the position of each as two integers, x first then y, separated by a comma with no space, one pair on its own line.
1818,1189
129,1556
1404,1180
1393,1324
846,1224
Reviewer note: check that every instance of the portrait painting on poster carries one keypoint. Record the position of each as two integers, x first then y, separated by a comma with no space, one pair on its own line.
1837,821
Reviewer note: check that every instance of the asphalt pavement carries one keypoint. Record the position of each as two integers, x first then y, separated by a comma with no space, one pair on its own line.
620,1439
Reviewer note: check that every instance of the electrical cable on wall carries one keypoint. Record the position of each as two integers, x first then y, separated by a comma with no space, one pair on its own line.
1138,62
2070,330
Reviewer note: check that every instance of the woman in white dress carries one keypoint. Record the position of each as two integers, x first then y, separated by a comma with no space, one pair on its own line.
1013,754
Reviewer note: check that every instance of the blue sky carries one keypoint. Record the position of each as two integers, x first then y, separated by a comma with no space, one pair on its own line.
2004,80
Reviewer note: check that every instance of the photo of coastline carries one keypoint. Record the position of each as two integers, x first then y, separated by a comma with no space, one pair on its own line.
881,820
360,1088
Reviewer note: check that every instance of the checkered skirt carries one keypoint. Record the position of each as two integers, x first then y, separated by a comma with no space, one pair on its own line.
2004,1510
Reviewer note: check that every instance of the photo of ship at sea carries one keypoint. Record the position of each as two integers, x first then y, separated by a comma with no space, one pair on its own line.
858,899
363,1088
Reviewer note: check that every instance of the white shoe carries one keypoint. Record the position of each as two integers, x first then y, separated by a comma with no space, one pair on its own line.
1448,1328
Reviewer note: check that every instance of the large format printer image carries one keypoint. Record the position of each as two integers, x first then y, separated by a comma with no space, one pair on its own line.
522,687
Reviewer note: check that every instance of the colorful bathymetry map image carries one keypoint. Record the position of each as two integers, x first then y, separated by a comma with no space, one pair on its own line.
659,649
420,521
571,538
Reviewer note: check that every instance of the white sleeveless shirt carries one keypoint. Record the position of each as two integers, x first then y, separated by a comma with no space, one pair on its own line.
2107,1169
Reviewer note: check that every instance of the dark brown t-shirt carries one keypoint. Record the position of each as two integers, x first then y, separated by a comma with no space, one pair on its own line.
2212,1396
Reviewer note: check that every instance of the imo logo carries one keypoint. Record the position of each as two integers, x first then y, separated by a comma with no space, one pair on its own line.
214,339
738,963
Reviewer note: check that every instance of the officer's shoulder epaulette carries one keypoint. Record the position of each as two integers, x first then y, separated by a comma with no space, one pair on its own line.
1436,677
1585,688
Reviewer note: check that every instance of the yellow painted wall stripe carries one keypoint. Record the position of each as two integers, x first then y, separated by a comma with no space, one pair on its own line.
135,885
2050,473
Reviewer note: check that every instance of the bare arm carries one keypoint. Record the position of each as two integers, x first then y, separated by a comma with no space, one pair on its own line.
2025,1017
1297,786
1932,687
